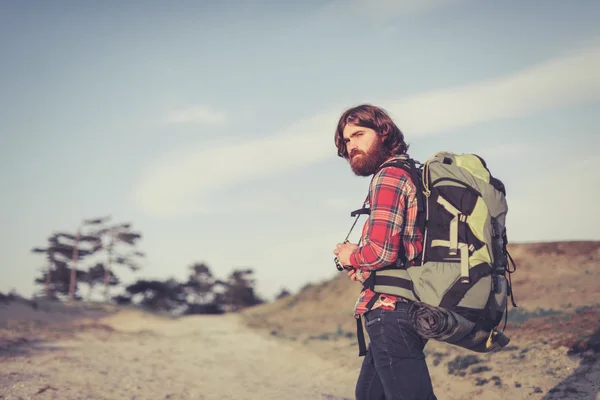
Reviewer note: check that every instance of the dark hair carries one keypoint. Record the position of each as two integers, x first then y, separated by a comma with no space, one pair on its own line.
376,118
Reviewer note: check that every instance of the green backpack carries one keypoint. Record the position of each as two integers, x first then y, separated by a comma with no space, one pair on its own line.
458,284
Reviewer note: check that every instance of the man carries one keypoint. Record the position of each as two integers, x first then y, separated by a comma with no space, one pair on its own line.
394,366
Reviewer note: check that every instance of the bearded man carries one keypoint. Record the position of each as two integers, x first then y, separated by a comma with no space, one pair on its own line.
394,366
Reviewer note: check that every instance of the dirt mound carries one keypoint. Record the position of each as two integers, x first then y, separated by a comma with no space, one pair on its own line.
569,249
556,275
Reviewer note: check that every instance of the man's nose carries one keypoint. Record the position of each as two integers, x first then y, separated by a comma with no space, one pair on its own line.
351,146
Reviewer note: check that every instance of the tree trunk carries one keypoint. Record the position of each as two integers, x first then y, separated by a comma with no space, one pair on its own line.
74,267
107,266
49,280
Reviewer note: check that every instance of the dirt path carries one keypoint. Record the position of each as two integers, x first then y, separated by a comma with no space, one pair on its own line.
132,355
193,358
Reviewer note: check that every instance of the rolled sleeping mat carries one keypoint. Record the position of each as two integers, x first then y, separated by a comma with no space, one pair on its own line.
443,325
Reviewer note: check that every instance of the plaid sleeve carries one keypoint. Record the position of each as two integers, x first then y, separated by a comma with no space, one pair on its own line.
381,240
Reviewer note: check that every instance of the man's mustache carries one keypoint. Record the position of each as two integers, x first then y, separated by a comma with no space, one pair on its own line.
355,153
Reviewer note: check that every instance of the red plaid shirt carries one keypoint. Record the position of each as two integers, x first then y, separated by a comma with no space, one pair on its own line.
391,223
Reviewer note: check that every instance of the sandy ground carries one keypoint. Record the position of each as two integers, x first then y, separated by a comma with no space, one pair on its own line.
129,356
132,355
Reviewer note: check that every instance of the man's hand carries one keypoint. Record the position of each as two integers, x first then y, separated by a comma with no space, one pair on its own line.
343,251
352,274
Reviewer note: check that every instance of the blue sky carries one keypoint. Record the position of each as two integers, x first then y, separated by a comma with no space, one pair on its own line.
209,125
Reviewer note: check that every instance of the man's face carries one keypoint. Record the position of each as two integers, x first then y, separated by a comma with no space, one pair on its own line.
365,150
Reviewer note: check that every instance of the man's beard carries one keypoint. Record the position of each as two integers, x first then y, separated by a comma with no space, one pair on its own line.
366,164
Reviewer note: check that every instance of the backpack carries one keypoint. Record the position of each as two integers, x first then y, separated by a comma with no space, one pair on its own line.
458,285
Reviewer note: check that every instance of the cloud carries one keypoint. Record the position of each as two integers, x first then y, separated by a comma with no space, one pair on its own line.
180,182
199,114
173,185
561,82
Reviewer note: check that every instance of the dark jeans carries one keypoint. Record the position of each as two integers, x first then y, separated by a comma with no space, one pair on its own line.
394,366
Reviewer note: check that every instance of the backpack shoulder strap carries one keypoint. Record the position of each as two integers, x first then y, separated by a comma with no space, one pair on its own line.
410,166
395,163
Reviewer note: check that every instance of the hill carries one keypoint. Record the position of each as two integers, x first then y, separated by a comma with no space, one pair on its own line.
554,331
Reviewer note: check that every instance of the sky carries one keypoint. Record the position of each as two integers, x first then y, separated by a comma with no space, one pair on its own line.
209,125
